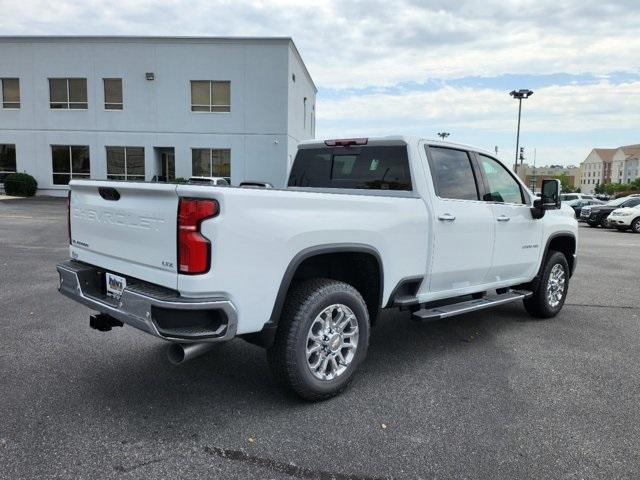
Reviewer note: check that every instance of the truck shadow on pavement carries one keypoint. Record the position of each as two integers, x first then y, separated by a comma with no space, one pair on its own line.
238,371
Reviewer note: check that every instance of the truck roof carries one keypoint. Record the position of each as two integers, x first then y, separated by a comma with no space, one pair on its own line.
398,139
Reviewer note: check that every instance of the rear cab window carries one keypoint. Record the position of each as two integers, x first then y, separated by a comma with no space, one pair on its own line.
453,175
368,167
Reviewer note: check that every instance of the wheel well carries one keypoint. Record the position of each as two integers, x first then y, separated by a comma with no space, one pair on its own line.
359,269
565,244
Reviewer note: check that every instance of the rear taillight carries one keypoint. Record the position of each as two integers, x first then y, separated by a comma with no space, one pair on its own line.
194,250
69,217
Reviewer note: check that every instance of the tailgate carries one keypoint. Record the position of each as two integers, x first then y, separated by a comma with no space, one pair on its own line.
126,227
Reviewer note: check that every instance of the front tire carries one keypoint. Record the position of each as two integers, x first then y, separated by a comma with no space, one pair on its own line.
550,293
322,337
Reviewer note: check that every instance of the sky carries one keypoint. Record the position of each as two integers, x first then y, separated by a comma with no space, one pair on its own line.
419,67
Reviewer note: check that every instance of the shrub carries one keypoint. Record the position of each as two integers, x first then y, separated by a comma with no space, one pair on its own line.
20,185
625,193
180,180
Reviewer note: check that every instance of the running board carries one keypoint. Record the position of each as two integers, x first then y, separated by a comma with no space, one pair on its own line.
445,311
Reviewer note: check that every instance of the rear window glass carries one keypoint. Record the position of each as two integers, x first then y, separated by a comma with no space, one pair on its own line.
372,168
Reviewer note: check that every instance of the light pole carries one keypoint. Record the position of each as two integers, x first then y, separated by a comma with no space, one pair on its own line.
443,135
519,95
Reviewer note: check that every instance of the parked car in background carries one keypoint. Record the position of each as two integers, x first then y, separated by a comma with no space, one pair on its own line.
216,181
585,212
571,197
599,214
578,205
626,218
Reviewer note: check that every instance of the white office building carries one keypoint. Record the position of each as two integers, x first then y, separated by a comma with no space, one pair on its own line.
145,108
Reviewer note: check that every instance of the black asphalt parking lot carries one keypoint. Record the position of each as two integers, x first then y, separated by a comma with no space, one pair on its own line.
487,395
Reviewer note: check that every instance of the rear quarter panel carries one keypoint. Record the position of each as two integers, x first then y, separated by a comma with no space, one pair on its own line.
259,232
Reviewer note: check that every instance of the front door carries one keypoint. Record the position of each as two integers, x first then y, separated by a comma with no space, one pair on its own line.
168,165
517,234
463,226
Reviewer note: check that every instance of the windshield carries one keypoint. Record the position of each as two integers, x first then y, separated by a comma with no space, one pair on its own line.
617,201
633,202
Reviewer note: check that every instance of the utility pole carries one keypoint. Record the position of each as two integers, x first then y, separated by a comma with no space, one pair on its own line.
519,95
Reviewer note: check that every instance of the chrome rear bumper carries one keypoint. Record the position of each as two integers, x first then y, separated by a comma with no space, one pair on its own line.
152,309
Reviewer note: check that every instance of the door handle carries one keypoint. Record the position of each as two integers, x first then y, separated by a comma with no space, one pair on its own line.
503,218
446,217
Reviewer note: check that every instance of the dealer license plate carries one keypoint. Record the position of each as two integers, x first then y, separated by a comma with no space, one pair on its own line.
115,285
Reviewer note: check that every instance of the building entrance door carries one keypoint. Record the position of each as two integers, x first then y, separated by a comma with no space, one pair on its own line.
165,164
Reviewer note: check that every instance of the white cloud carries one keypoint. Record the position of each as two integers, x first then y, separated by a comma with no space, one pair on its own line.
566,108
348,43
489,116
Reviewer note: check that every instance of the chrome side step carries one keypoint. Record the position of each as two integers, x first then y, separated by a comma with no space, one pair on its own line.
445,311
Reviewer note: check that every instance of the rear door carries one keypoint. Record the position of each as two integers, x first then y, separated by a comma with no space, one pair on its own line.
128,228
463,225
517,233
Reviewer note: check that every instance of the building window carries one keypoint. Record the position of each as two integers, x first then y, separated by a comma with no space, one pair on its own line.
10,93
7,160
210,96
69,161
125,163
304,113
68,93
113,93
211,162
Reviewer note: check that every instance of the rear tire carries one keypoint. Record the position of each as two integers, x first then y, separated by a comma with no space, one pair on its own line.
550,293
322,338
635,225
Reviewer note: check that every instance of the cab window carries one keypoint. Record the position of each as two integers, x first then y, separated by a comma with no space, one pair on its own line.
501,185
452,174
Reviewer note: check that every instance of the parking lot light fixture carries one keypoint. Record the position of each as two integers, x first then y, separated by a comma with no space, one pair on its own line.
519,95
443,135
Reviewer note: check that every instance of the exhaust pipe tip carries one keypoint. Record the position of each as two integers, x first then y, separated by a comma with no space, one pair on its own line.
181,352
175,353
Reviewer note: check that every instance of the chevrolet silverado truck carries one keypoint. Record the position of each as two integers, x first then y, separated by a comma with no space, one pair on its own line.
437,229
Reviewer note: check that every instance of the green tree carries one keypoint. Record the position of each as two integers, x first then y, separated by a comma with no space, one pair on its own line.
598,188
565,181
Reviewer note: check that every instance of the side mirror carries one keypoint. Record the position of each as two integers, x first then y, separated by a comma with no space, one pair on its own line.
551,194
549,199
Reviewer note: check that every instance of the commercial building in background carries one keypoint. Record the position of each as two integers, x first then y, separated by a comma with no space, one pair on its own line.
533,176
609,165
145,108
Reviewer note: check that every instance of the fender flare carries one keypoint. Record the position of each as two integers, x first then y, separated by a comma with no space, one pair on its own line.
313,251
573,262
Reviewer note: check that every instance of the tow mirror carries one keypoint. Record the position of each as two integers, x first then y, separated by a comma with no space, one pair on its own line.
549,199
551,194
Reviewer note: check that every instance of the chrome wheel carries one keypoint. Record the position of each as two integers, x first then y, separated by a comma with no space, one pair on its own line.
555,285
332,342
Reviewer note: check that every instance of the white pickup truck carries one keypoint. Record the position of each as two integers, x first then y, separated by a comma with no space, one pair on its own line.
434,228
